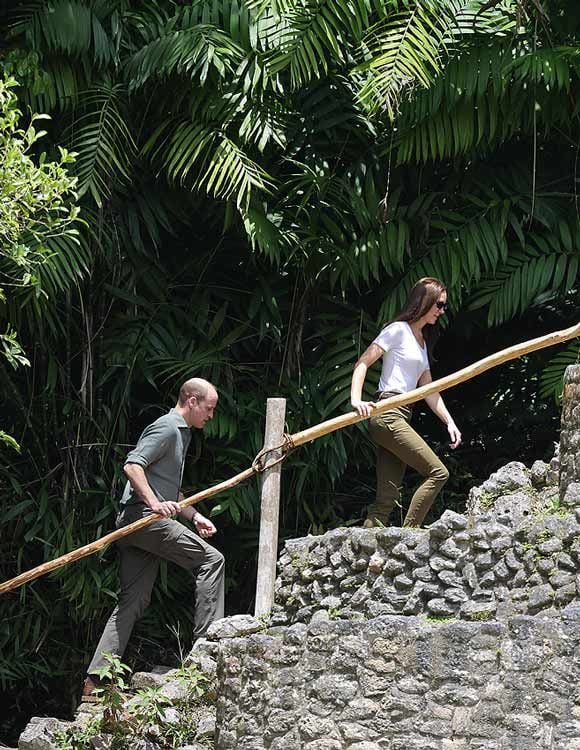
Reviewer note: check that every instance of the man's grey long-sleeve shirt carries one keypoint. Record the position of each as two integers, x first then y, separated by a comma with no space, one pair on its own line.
161,452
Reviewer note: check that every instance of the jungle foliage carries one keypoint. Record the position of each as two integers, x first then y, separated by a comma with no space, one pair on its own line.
261,182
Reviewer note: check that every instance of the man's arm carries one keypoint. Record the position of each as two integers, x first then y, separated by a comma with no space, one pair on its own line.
138,480
205,528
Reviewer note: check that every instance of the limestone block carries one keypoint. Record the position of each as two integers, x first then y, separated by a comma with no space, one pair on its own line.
550,546
539,474
423,573
540,597
509,479
206,727
450,549
312,727
456,596
393,567
102,742
438,563
234,627
387,538
324,744
40,734
441,608
403,582
376,563
511,561
571,495
478,610
158,677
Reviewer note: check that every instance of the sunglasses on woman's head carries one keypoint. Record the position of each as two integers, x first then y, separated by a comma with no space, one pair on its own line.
442,306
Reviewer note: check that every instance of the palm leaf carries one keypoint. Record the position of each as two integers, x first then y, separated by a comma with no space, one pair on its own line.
552,378
103,143
190,52
409,47
309,34
66,26
222,168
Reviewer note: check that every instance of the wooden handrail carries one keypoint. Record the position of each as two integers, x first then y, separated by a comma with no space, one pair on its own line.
307,436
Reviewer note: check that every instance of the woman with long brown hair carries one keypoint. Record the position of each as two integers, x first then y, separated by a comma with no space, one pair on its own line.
405,346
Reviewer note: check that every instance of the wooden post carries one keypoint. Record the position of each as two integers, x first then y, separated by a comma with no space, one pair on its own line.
270,509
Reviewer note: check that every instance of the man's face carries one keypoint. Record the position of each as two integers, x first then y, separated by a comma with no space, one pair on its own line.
201,412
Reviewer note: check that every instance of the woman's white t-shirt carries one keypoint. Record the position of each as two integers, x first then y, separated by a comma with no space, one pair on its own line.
404,360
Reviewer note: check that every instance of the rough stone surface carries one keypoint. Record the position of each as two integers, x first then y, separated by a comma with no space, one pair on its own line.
40,734
517,552
233,627
158,677
569,455
403,682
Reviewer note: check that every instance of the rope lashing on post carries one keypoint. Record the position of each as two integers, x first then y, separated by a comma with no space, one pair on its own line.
260,463
290,442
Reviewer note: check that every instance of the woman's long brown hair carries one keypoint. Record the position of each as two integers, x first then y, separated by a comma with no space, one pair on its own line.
422,297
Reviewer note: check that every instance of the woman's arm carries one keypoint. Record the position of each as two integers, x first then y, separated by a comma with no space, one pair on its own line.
369,357
437,405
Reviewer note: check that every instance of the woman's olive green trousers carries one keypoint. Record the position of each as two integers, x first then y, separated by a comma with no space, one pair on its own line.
399,446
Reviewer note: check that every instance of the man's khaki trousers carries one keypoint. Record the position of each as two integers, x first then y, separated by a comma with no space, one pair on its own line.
399,446
141,553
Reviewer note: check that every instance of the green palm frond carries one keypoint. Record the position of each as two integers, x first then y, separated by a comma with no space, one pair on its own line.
63,83
409,47
265,232
192,52
482,99
336,361
552,378
552,68
69,27
232,175
220,166
312,32
264,122
67,262
462,246
538,269
103,142
235,17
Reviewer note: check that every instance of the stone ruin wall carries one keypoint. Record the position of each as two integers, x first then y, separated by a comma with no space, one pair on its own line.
463,635
401,683
472,567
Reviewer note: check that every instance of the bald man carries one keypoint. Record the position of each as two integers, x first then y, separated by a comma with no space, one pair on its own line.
154,470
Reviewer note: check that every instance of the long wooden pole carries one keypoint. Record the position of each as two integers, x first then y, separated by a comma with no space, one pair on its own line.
306,436
270,508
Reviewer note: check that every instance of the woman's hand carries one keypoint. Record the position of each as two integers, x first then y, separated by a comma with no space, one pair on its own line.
364,408
454,434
